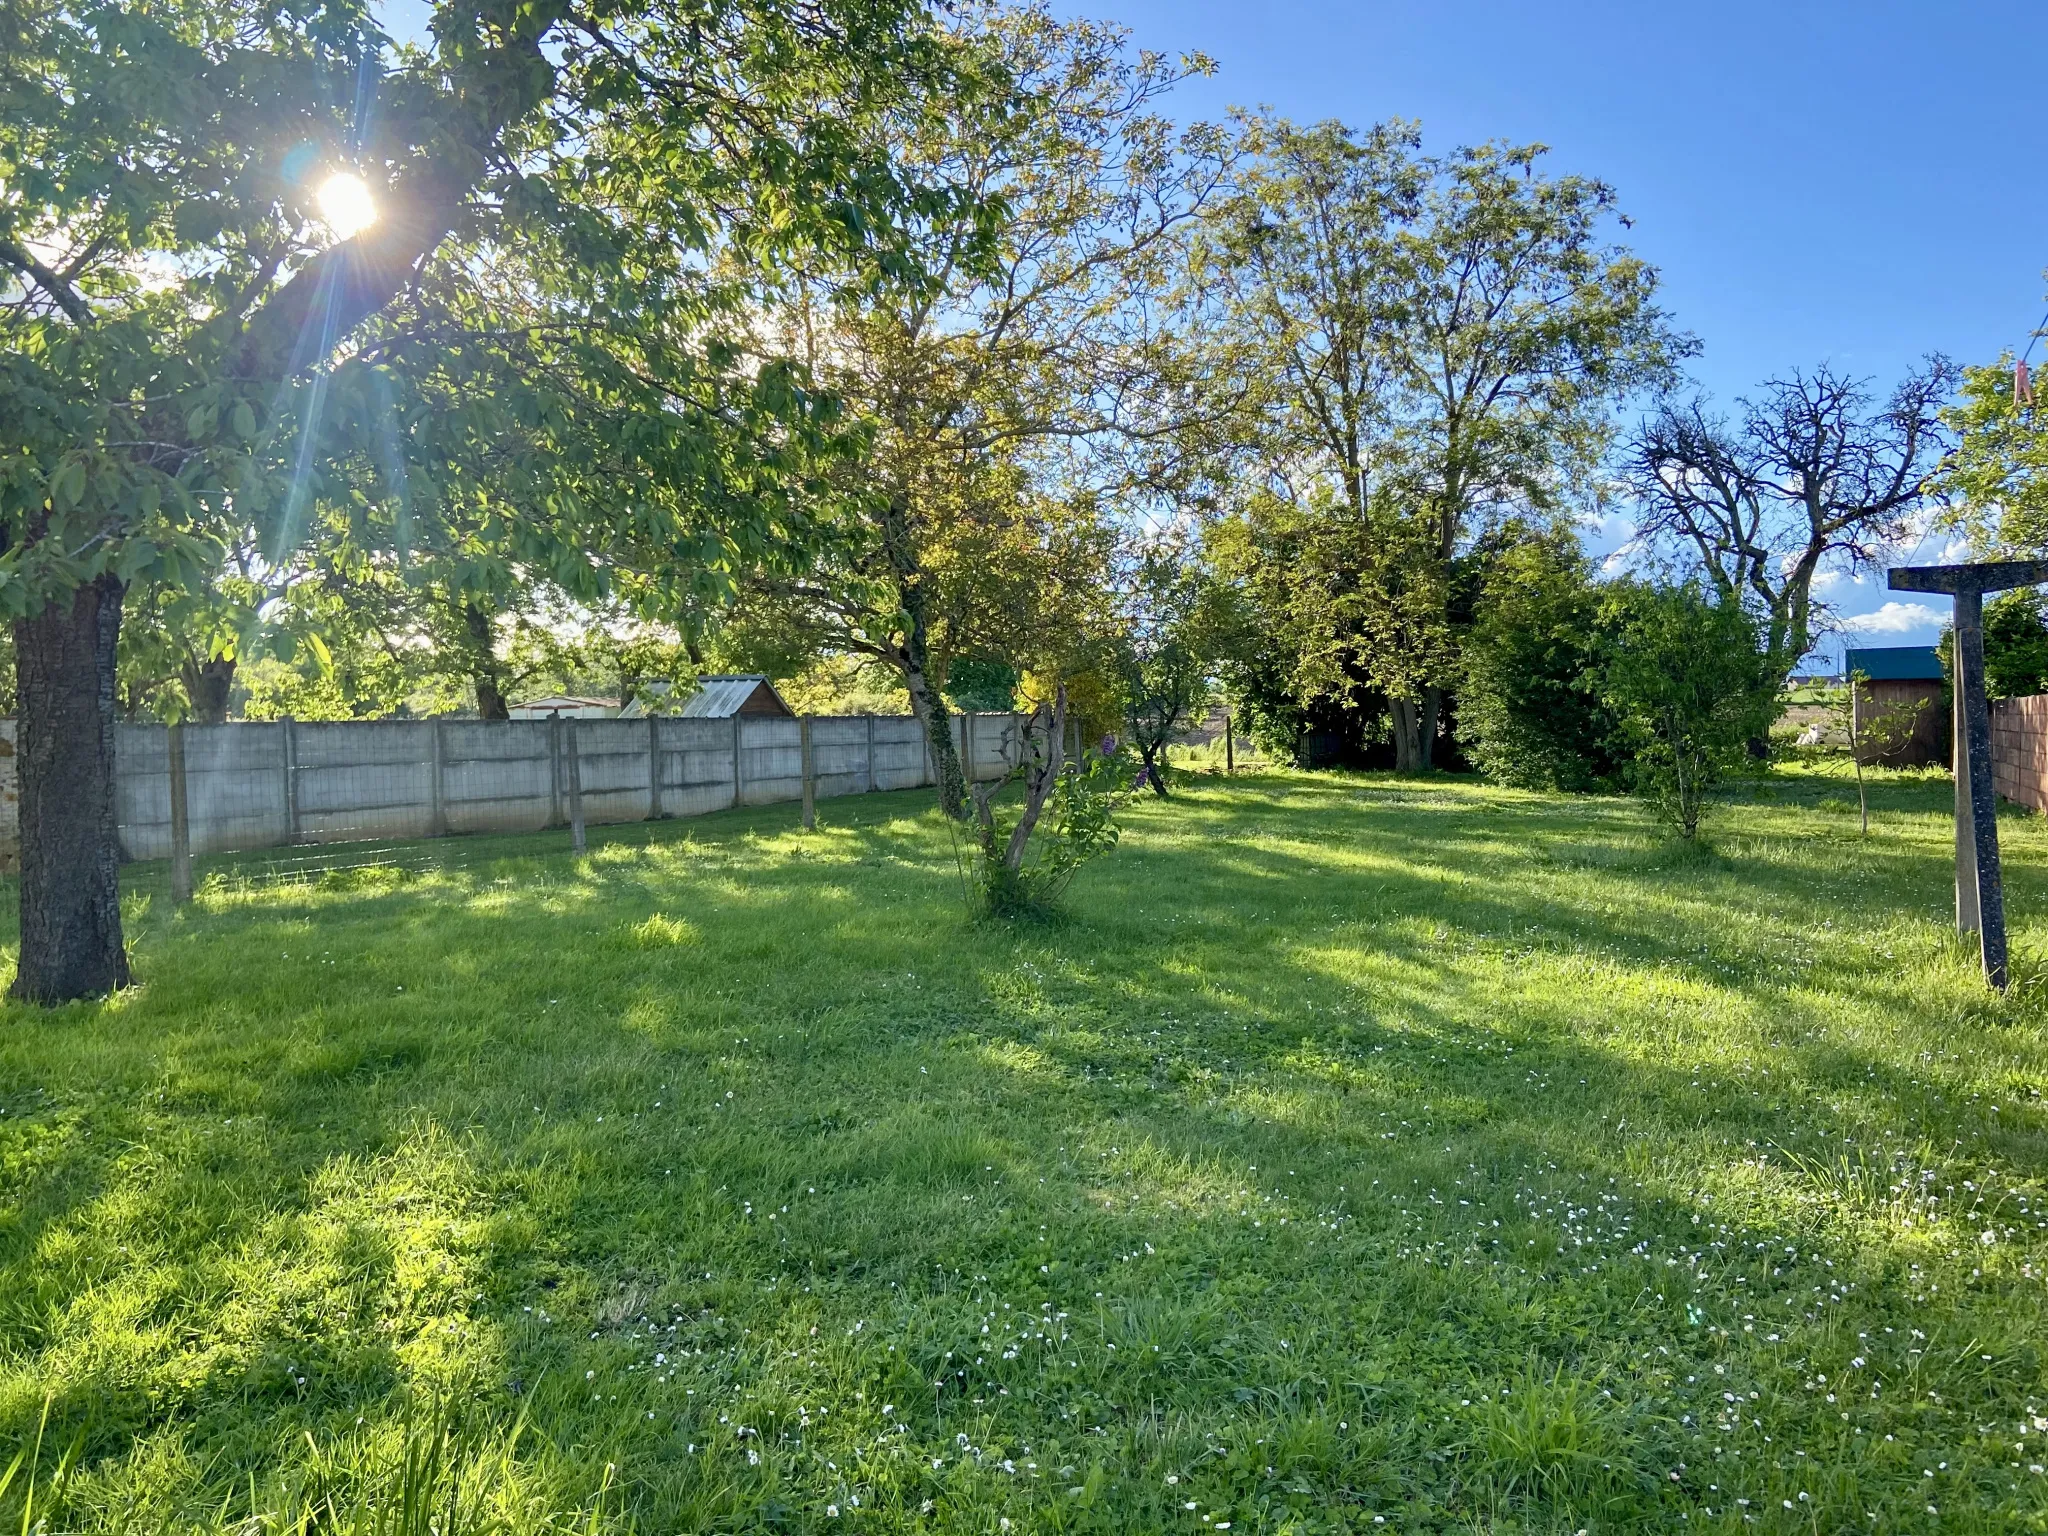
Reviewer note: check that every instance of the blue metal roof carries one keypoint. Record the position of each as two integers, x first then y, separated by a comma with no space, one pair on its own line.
1895,663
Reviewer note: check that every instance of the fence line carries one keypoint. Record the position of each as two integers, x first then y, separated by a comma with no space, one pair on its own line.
252,785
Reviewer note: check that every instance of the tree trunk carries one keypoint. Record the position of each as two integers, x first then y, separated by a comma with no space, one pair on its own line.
937,720
70,847
1407,735
207,685
1415,722
1155,769
484,670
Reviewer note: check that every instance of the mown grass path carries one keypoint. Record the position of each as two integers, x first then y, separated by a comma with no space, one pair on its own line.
1361,1154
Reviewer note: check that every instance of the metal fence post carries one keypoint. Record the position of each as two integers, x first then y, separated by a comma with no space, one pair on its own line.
181,826
575,776
1229,745
291,779
803,741
737,771
654,767
437,808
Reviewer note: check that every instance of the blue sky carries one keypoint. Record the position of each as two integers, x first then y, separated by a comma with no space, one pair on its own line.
1856,183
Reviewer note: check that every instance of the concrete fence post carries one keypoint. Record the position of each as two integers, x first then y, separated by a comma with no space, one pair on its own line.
574,774
181,825
967,748
554,770
437,806
803,741
871,755
291,778
738,772
654,767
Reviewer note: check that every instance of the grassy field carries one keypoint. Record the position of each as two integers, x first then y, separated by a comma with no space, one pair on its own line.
1360,1154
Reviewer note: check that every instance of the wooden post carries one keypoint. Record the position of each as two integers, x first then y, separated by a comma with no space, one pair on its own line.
437,807
654,767
1229,745
181,826
737,773
575,776
803,738
291,779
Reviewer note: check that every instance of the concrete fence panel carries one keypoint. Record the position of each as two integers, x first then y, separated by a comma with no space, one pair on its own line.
265,784
498,776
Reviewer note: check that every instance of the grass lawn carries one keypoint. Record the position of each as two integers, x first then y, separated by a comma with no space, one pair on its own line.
1361,1154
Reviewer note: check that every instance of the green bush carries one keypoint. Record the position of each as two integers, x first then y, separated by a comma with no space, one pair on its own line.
1530,712
1692,686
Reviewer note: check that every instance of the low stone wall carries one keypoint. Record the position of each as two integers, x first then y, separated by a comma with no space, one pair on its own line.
271,784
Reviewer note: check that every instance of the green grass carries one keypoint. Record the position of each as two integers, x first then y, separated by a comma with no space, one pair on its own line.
1359,1154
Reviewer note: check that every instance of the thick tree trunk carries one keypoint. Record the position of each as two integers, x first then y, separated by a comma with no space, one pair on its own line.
207,686
484,670
70,848
490,700
1415,722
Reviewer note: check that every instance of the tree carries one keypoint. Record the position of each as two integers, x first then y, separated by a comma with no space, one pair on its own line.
1814,469
1163,652
201,325
1420,348
2015,644
973,524
1995,478
1692,684
1529,705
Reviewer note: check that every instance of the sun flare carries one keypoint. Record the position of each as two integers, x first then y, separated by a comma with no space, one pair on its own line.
346,206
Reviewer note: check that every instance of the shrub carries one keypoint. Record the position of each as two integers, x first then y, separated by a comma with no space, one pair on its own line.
1530,711
1025,858
1692,687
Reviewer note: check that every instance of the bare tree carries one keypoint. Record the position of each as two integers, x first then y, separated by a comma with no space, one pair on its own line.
1814,469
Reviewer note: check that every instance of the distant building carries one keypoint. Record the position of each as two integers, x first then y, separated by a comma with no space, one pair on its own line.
720,698
1901,705
565,707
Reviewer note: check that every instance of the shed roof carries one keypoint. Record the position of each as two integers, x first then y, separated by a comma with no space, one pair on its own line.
1895,663
719,698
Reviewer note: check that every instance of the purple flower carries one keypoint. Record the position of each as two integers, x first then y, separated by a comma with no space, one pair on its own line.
1108,747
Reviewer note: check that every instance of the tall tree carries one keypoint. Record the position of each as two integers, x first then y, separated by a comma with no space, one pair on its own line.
991,369
207,206
1995,481
1423,347
1815,468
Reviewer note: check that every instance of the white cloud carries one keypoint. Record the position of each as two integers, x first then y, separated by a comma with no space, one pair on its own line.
1894,619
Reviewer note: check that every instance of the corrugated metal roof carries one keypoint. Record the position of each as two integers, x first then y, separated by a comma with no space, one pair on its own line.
719,698
1895,663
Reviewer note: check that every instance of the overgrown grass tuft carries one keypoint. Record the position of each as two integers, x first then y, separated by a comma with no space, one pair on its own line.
1358,1154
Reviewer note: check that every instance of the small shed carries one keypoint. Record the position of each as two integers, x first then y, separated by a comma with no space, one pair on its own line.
720,698
564,706
1901,704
